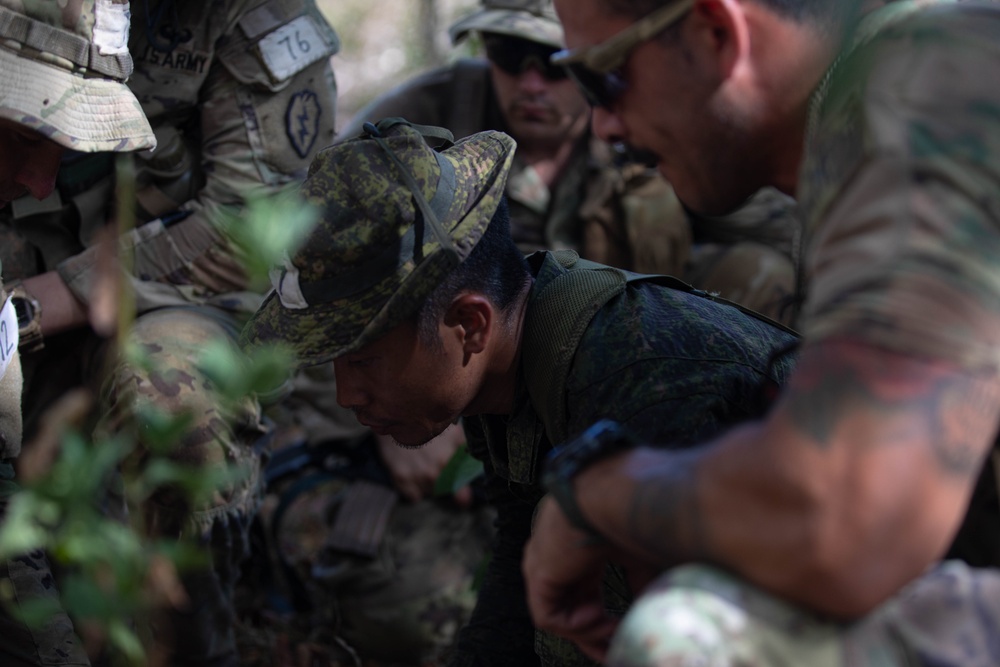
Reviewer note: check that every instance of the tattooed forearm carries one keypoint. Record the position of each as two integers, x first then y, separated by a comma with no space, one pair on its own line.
907,401
664,518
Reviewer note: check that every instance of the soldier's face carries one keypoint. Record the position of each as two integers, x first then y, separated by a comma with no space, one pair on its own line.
29,162
675,105
400,387
540,111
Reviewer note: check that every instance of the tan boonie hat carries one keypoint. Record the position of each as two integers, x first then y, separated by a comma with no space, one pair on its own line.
534,20
396,216
63,67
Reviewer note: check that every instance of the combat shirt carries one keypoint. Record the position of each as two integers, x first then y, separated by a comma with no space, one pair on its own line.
673,367
240,95
900,187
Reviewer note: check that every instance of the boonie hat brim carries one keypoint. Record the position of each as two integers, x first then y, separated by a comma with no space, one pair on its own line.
364,208
89,114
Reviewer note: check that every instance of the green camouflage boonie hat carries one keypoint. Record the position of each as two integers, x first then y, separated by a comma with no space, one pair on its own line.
534,20
63,67
396,217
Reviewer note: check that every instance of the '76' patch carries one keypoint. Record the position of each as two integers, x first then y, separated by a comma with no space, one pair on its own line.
302,121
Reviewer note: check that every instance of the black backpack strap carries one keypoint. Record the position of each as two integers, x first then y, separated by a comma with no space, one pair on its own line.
560,315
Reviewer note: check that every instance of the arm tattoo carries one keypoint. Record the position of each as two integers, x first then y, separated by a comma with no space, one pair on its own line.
664,517
917,402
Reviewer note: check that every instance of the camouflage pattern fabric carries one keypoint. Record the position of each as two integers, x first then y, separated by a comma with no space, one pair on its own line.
28,579
625,215
673,367
418,589
700,615
64,69
236,114
342,291
898,189
173,341
900,186
535,20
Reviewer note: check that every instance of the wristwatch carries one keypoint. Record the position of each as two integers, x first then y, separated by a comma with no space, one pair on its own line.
29,317
564,463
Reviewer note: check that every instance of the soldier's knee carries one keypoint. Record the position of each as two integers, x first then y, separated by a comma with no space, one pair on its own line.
699,615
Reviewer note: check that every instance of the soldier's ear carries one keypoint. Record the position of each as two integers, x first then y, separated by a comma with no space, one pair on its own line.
721,34
472,318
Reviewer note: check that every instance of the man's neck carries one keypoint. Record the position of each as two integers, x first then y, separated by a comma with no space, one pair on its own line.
499,386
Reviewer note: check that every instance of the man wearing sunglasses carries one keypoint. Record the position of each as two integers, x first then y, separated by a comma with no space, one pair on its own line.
825,520
569,189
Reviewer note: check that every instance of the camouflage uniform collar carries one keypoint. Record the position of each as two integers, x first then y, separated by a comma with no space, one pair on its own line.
869,26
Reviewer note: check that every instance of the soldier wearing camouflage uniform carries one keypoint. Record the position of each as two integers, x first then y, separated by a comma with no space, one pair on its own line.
840,503
241,95
414,289
569,189
62,74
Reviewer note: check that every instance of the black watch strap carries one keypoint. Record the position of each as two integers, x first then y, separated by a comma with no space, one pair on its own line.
564,463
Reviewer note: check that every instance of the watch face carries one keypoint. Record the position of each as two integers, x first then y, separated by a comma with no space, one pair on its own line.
24,309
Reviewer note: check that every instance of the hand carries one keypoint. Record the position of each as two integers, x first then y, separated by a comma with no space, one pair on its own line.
414,471
563,576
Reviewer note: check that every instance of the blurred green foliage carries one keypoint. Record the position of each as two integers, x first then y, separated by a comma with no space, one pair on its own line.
72,504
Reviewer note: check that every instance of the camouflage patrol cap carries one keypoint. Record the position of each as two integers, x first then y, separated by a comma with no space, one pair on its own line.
396,216
63,67
534,20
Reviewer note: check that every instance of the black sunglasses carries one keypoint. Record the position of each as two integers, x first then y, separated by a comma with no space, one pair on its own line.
514,55
597,69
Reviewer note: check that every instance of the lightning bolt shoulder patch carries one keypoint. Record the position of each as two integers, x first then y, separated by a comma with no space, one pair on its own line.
302,121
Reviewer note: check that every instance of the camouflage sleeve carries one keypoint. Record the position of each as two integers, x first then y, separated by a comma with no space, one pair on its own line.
264,109
905,245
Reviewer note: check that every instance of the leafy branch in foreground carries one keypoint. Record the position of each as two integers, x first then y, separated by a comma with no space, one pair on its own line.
77,482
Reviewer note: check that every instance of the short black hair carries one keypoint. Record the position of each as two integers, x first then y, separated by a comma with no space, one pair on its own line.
495,268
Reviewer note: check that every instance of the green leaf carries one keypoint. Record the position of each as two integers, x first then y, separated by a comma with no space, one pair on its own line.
22,529
267,229
461,469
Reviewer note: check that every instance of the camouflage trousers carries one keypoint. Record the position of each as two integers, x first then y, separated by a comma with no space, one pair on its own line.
392,585
220,435
697,615
24,580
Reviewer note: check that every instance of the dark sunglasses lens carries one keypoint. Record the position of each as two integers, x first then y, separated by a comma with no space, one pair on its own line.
599,89
514,56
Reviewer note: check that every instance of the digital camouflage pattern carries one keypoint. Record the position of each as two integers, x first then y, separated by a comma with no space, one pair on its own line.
364,269
612,210
673,367
64,69
534,20
698,615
